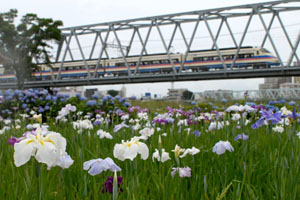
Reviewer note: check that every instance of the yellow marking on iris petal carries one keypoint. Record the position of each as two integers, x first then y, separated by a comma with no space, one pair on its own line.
129,145
42,143
50,141
29,141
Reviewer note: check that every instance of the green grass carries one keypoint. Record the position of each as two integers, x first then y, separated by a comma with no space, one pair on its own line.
267,166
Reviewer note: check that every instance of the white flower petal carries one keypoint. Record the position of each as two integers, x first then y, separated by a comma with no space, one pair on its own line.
165,156
143,150
47,154
23,152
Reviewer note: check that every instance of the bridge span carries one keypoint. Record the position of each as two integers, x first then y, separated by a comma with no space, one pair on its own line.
274,26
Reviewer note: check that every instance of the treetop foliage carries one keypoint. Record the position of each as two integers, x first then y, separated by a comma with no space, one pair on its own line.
24,46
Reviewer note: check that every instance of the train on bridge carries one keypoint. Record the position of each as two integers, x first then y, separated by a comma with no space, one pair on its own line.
196,61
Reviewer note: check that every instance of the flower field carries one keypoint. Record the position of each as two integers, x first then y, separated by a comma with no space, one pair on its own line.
56,147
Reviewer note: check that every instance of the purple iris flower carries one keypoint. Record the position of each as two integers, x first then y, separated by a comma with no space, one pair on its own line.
108,185
120,126
13,140
267,116
97,122
294,115
197,133
241,136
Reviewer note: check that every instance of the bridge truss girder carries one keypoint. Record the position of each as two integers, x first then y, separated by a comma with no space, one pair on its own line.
103,30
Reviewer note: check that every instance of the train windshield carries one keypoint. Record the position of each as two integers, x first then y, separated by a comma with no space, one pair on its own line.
265,50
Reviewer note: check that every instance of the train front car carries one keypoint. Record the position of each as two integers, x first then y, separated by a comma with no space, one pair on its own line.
265,59
231,58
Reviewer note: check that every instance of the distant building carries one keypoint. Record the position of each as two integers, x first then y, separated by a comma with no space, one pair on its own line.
274,83
296,79
289,85
175,94
71,91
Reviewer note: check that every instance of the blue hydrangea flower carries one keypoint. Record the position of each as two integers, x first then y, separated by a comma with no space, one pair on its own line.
83,98
292,103
91,103
95,96
132,98
224,100
48,97
41,110
127,104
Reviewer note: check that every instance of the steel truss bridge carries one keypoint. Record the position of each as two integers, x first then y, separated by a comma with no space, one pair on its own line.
253,95
203,29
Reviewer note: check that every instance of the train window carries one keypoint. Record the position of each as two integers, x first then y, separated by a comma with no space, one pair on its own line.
175,60
241,56
131,64
146,62
198,59
216,58
228,57
165,61
120,64
155,62
248,55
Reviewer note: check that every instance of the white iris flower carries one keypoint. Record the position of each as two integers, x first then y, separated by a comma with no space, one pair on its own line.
161,158
221,146
130,149
192,151
46,149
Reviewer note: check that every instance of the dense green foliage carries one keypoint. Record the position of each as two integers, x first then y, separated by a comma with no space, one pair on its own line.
112,93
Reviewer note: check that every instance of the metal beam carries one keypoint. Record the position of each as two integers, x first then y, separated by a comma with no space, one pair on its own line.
166,48
121,50
103,49
143,48
64,56
82,55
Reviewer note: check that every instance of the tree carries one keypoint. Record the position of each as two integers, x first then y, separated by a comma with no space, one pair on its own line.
24,46
112,93
187,95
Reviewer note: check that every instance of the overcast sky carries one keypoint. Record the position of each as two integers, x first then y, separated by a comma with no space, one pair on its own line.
83,12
